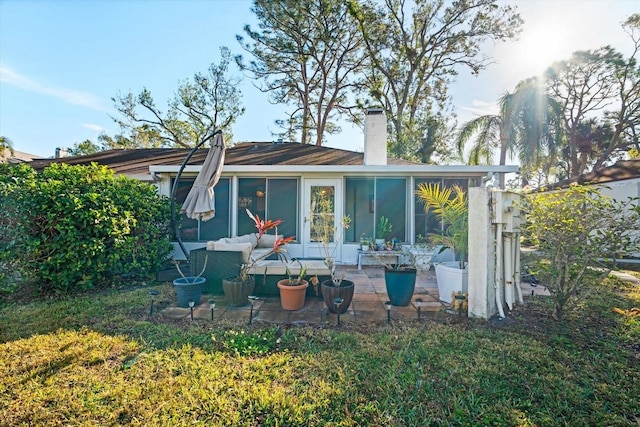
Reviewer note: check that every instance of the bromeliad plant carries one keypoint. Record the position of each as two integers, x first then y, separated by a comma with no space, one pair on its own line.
451,207
278,247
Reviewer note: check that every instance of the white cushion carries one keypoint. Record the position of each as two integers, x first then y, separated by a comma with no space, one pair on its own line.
277,268
245,248
268,240
245,238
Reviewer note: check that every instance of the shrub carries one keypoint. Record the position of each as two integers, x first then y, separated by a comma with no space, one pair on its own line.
79,227
574,230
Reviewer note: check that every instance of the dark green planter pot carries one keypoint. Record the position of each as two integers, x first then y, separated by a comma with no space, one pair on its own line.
237,292
189,289
400,285
330,292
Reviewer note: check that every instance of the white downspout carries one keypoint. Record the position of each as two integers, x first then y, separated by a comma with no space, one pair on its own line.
498,270
517,272
508,270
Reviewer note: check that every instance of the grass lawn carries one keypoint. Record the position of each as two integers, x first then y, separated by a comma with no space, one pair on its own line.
98,360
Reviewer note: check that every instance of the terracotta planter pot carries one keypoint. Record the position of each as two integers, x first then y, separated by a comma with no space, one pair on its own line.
189,289
330,292
292,297
237,292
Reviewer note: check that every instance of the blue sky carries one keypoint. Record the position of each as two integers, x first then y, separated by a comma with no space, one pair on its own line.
62,61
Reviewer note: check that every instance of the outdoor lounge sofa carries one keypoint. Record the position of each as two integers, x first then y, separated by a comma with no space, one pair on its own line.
225,256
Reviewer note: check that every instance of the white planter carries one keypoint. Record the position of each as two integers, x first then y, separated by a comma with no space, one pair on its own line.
451,279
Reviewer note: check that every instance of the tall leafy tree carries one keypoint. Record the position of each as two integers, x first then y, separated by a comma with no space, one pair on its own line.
307,54
584,85
625,120
415,50
599,91
208,102
83,148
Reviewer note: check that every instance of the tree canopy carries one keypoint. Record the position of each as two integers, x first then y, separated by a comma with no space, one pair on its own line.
200,106
414,54
599,91
583,113
308,55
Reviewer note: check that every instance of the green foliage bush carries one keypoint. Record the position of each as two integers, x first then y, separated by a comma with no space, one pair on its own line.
574,230
78,227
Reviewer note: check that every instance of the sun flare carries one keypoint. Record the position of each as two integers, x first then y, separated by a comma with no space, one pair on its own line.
539,48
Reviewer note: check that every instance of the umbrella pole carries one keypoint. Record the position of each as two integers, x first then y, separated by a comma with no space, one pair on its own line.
175,188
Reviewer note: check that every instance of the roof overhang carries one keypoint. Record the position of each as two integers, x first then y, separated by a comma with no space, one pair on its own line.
448,170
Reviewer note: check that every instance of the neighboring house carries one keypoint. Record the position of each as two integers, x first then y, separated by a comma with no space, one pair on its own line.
16,157
620,181
279,180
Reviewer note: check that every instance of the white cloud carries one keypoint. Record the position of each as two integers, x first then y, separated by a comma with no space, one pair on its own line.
476,109
91,126
70,96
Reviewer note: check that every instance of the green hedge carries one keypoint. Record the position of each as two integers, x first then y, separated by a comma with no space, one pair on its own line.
78,227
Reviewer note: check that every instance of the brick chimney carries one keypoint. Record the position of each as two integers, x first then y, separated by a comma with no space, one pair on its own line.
375,137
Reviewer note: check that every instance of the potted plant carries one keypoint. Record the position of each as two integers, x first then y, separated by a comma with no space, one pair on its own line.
327,233
189,288
293,289
365,243
383,229
237,289
399,278
451,207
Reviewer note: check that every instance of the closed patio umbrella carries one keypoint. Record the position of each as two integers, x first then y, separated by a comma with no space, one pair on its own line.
200,202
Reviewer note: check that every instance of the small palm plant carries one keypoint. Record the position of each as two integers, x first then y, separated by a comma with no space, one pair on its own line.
451,207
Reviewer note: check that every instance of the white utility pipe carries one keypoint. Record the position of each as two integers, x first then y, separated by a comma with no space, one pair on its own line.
508,270
498,269
517,269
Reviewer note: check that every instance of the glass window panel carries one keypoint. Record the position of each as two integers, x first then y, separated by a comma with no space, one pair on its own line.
193,230
251,195
425,222
282,203
322,212
218,226
461,182
188,226
360,206
391,203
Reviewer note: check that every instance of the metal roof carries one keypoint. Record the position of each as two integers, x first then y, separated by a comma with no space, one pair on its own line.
137,161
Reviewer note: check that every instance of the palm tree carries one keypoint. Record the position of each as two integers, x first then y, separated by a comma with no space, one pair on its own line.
493,131
525,126
5,144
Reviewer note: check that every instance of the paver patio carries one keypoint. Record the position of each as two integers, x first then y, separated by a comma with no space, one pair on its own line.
367,305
